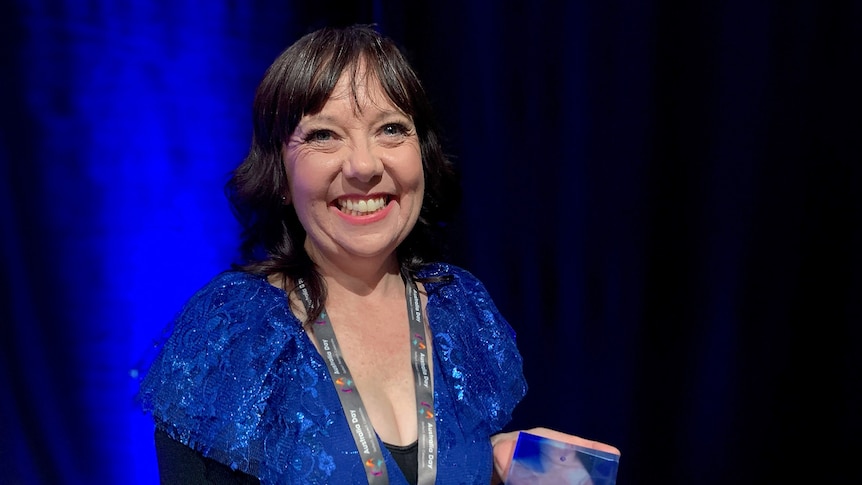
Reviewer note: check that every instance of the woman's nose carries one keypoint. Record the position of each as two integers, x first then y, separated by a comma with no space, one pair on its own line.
362,163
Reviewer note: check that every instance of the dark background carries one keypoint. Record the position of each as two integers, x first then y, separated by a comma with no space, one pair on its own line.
664,199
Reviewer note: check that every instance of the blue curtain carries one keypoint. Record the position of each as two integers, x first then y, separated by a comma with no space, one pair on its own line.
664,199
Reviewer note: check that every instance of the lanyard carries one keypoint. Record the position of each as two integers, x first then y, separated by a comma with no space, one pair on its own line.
357,418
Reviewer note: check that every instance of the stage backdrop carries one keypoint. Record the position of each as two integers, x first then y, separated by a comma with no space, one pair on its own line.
663,199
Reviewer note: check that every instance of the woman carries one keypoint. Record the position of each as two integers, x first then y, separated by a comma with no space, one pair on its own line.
341,351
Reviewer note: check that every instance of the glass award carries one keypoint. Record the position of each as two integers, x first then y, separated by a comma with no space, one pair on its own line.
544,461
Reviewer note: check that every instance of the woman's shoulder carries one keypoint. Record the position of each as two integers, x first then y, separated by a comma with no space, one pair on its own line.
235,320
458,298
236,284
237,295
451,281
447,273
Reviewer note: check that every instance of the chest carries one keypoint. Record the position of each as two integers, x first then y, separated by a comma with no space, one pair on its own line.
375,344
463,455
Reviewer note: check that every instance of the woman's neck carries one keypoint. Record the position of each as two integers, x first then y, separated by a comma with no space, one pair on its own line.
351,277
347,286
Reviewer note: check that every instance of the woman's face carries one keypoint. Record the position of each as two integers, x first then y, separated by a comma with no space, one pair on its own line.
354,172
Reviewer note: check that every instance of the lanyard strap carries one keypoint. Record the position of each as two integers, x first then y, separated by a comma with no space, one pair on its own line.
354,410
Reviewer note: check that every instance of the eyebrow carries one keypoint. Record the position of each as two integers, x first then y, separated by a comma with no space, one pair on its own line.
381,115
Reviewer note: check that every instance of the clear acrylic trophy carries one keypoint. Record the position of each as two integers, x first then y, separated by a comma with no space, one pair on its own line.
544,461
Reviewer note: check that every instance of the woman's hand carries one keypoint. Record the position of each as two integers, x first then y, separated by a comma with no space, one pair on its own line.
504,447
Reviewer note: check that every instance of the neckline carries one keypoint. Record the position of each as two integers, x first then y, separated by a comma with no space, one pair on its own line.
402,449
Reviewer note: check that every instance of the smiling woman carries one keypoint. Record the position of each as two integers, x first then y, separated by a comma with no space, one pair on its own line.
343,349
354,174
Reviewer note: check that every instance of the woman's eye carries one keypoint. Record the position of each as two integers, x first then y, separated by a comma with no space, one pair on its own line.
319,135
393,129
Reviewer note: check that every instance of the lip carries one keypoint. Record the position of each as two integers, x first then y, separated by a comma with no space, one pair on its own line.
363,218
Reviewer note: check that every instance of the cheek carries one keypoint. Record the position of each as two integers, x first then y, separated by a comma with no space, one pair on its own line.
305,180
418,202
420,191
419,176
415,171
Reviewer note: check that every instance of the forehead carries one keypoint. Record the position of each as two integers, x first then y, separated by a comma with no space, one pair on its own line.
362,88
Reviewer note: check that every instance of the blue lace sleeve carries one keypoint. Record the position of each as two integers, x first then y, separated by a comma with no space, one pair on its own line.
209,386
478,348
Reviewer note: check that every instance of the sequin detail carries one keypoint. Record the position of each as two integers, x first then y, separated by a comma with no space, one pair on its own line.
240,381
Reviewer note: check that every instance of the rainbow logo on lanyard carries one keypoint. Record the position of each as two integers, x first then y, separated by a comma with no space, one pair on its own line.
419,341
345,384
426,410
375,466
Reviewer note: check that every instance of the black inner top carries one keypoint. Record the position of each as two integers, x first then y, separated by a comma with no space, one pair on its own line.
407,458
181,465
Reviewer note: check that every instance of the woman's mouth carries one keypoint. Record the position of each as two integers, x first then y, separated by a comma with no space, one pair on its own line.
361,207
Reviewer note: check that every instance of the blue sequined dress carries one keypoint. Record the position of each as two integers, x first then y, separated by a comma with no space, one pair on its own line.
240,381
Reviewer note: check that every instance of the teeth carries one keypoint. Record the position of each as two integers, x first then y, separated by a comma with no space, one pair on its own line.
360,207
